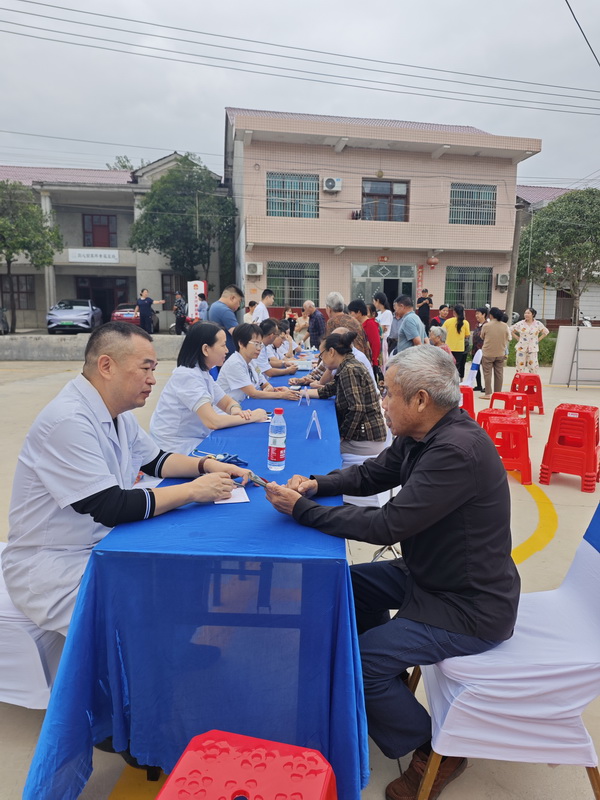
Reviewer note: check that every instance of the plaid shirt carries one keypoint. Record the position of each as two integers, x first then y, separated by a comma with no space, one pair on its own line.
180,307
316,327
356,404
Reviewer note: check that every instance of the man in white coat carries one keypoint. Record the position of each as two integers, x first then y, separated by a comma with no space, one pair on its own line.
261,312
77,469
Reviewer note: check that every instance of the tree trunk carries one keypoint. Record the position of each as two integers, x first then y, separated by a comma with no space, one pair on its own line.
13,299
576,299
576,290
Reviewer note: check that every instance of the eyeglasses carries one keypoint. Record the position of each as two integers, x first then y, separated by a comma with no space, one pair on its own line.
256,343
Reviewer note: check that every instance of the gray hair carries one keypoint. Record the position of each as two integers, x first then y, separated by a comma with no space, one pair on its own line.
309,304
430,369
435,330
335,302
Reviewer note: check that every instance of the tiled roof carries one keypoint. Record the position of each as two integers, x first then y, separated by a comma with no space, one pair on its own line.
540,194
380,123
29,175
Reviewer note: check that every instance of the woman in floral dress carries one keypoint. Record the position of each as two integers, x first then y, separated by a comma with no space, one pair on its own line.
529,332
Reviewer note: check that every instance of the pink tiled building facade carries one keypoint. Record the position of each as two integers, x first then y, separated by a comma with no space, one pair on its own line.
361,205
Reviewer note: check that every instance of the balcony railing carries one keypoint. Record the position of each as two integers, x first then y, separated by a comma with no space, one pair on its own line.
350,233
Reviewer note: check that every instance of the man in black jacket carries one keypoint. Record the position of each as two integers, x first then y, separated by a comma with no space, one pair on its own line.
456,587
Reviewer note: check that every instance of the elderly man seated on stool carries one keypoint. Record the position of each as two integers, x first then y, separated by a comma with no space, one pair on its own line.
456,585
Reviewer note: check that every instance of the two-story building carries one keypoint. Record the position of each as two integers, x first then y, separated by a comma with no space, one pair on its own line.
94,210
364,205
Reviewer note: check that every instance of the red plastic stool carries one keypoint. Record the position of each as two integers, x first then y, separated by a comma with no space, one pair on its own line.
484,416
517,401
573,447
509,434
531,385
467,400
228,766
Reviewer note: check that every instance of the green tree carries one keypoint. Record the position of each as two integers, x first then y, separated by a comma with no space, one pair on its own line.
184,218
24,229
124,162
561,244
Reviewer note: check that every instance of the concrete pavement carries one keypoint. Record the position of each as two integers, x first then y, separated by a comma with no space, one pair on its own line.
548,523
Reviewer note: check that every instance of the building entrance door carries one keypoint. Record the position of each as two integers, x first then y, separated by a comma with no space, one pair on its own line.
391,279
106,293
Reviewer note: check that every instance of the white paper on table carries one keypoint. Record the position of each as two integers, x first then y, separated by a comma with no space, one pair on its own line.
238,495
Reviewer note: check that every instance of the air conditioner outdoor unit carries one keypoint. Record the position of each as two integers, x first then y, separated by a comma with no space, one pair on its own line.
332,184
254,268
502,281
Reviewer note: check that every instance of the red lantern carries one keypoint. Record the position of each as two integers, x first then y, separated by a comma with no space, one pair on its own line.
433,261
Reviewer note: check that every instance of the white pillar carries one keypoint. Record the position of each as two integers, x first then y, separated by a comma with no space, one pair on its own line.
49,271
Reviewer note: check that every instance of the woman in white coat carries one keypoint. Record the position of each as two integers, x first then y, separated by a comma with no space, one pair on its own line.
192,404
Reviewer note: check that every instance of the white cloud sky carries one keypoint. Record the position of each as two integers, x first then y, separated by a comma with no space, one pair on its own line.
79,92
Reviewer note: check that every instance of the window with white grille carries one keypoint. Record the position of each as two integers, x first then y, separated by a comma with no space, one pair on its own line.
472,204
293,282
292,195
471,286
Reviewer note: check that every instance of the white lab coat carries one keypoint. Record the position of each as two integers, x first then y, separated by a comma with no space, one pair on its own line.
71,452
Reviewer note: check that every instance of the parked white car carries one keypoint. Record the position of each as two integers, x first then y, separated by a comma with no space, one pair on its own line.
74,316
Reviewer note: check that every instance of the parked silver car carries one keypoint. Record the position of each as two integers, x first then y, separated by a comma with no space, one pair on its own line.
74,316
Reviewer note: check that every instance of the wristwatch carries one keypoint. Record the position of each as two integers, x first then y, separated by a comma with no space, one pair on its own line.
202,462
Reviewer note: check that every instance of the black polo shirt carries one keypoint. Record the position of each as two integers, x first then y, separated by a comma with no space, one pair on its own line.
451,517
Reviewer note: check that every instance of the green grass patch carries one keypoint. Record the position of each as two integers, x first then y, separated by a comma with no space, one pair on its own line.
545,355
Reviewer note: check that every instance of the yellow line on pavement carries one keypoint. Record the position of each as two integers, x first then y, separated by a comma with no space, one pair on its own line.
546,527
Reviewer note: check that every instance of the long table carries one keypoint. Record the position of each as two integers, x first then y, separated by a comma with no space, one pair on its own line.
229,617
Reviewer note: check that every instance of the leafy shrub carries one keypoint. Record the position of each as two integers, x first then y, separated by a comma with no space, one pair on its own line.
545,355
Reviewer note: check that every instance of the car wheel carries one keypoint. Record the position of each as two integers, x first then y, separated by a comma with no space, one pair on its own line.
51,330
156,327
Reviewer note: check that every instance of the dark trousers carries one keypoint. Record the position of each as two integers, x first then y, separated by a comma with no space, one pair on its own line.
179,325
478,384
146,324
461,359
398,723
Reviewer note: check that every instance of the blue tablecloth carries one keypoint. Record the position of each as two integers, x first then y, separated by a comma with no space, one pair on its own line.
229,617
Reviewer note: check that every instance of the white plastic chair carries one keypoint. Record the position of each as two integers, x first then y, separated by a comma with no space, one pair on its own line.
523,700
29,656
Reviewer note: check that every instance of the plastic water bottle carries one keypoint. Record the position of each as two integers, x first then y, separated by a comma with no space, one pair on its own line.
277,436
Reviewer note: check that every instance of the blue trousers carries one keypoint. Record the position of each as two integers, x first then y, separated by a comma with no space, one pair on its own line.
397,722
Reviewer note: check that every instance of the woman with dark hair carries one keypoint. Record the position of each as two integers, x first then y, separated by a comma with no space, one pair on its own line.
457,332
239,378
481,317
528,332
192,405
441,317
291,317
363,432
384,318
496,336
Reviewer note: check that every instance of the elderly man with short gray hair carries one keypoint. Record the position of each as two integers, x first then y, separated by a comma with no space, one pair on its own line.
456,586
316,324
